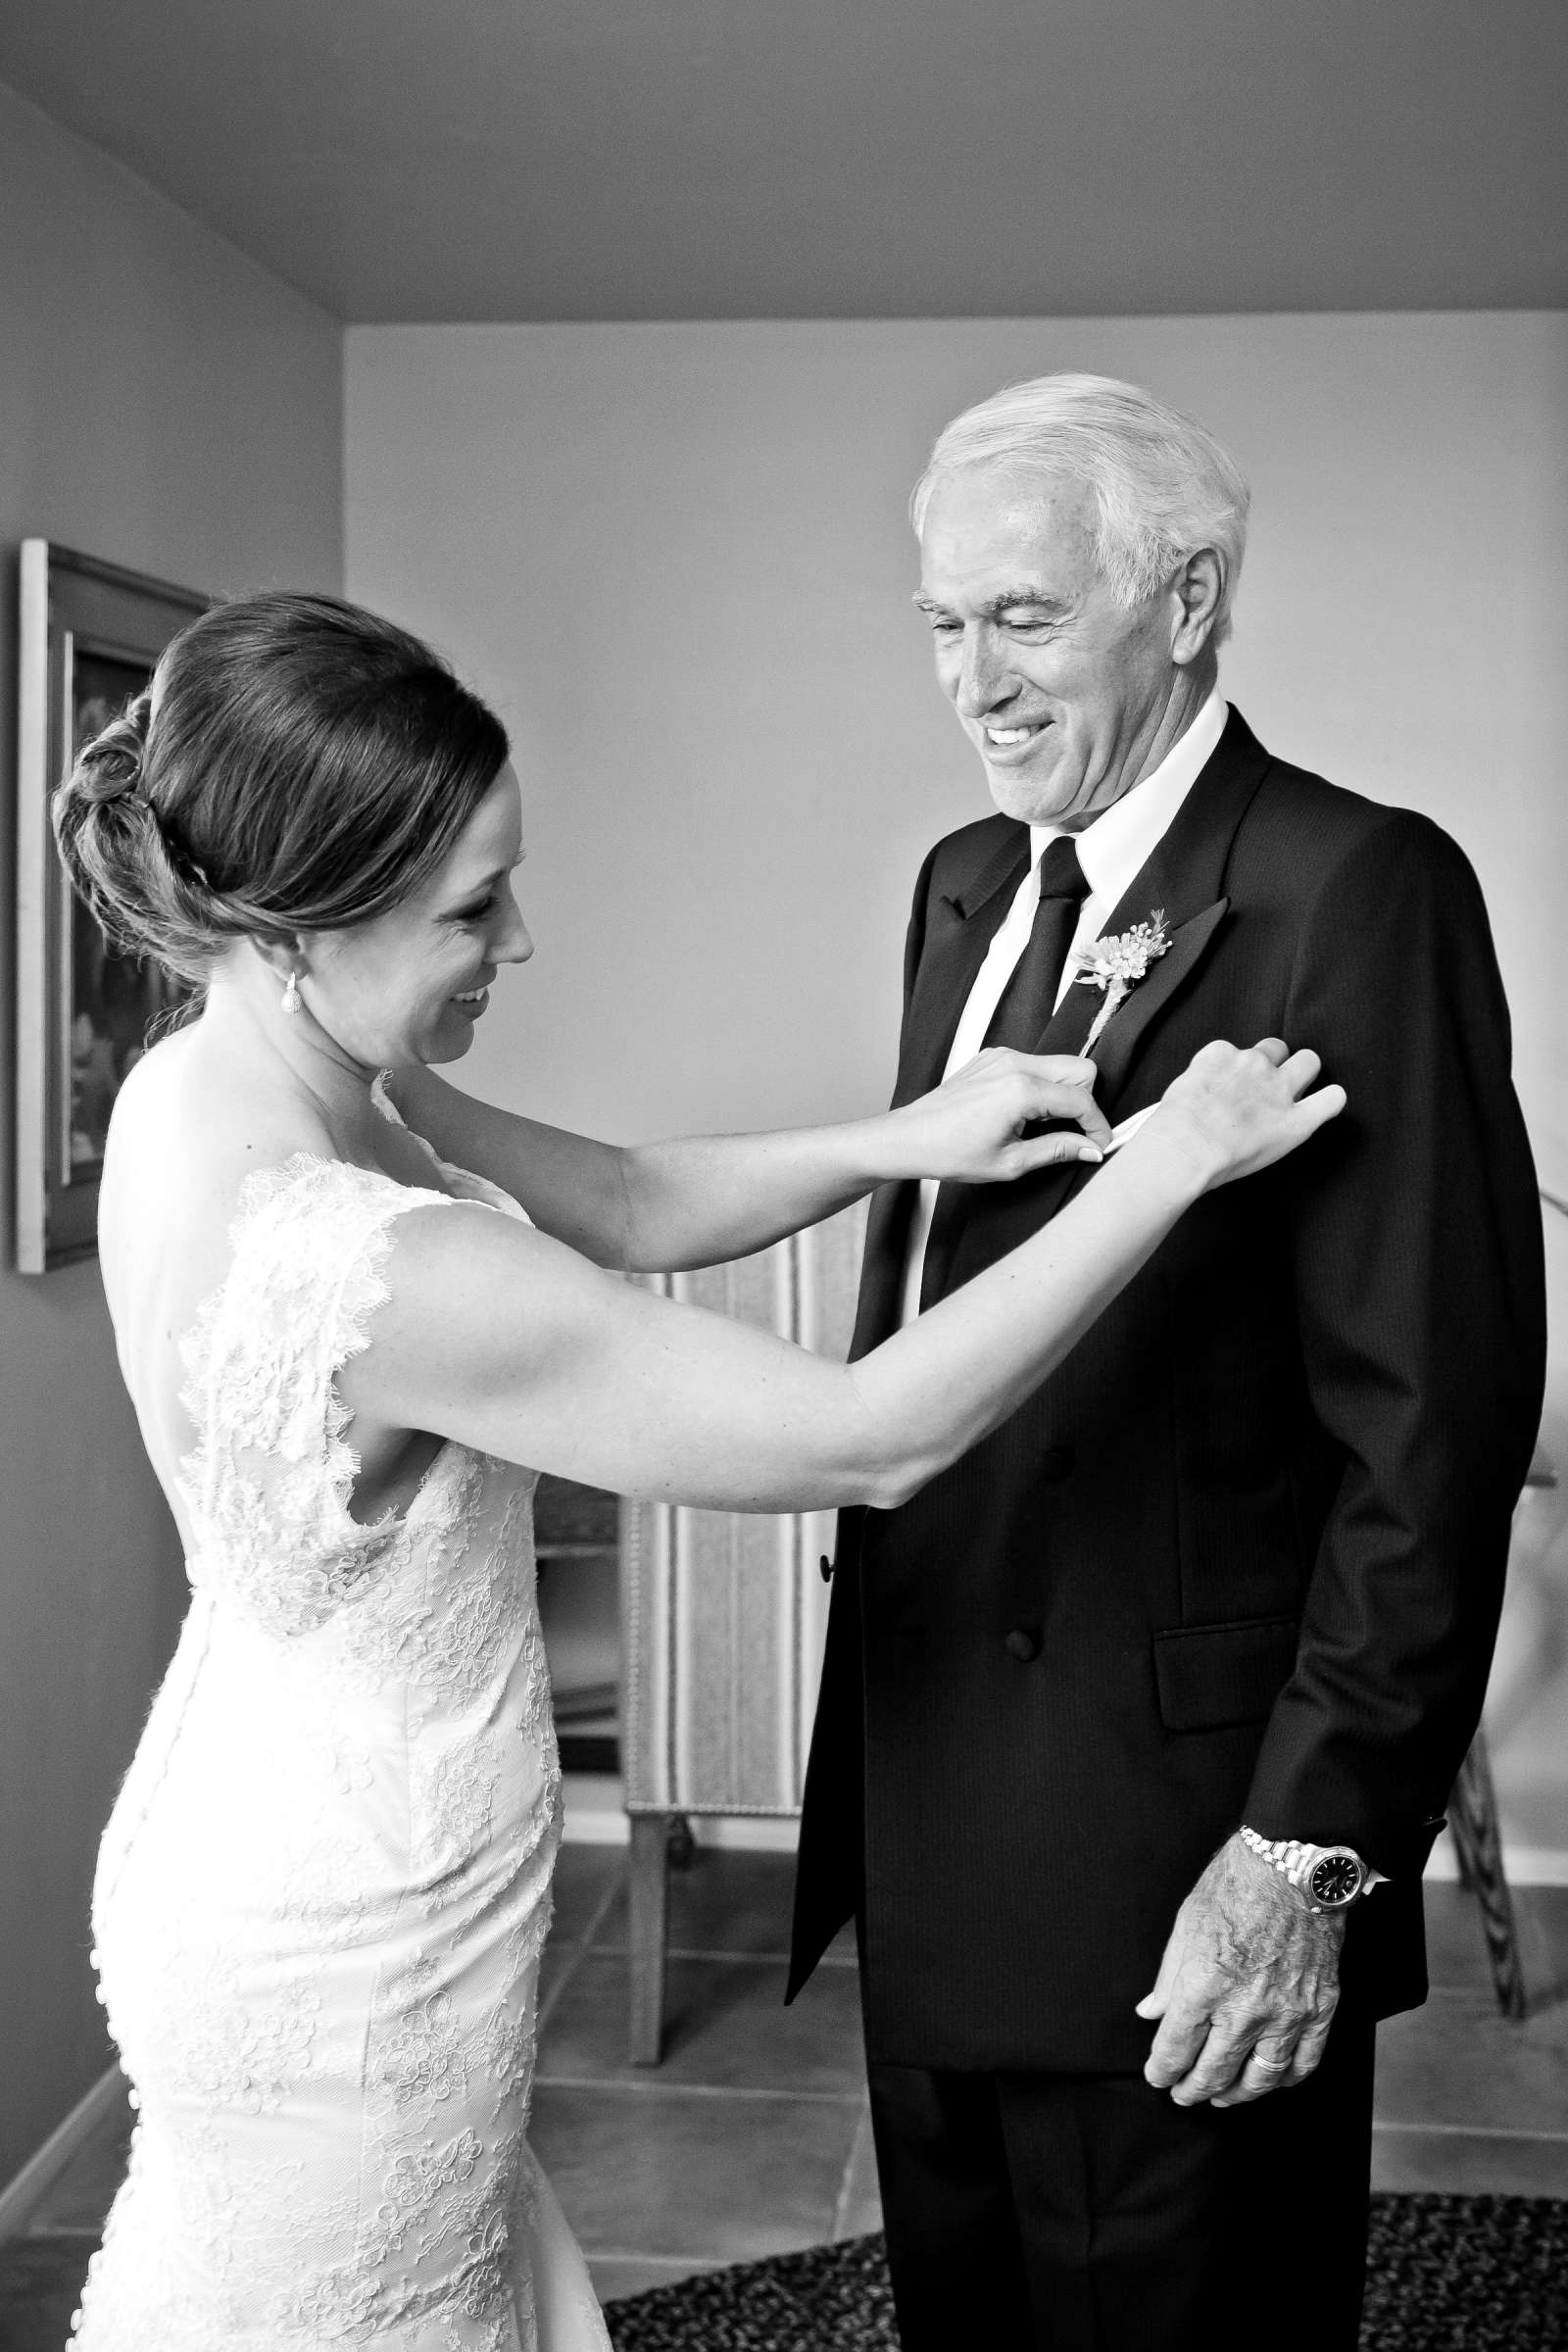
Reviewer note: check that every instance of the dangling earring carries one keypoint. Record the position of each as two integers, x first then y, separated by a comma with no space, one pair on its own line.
292,994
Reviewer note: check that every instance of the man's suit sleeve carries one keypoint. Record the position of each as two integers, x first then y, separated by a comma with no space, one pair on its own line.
1416,1237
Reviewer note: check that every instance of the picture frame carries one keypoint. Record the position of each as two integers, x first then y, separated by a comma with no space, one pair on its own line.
90,634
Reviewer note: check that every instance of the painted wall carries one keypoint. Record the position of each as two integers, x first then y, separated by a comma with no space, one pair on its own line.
677,558
166,404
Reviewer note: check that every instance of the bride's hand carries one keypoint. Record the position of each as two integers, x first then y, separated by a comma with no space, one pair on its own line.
973,1127
1236,1109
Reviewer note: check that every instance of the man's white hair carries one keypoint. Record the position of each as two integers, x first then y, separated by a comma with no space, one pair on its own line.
1163,486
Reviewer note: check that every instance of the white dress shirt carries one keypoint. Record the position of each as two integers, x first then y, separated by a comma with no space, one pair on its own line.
1110,853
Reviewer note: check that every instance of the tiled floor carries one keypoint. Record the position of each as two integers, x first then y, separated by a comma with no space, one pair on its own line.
752,2137
752,2134
1466,2099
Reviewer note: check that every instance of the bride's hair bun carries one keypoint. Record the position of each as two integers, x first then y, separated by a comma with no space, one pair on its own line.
301,765
109,767
113,848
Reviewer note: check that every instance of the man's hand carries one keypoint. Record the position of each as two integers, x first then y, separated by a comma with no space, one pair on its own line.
1246,1988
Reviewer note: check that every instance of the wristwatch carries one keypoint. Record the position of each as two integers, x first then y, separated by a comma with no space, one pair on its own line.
1331,1877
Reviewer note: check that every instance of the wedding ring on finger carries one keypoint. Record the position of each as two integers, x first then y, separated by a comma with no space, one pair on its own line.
1271,2066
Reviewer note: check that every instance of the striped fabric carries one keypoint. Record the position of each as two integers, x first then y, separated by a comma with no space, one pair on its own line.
723,1613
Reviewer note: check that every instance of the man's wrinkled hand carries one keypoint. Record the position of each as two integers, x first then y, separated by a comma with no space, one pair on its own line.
1246,1988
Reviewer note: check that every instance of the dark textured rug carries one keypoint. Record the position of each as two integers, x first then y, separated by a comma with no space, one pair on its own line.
1443,2274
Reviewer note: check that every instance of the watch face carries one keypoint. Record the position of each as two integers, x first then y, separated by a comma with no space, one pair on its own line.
1335,1878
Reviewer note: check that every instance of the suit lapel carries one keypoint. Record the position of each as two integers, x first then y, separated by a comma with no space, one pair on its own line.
959,928
887,1237
1184,876
1113,1049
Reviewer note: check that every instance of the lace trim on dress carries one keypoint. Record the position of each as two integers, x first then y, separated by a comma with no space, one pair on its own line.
310,1243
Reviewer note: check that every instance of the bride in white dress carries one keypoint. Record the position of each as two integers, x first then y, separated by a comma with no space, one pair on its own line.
325,1886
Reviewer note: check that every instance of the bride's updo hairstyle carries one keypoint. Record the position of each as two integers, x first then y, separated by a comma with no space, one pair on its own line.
297,765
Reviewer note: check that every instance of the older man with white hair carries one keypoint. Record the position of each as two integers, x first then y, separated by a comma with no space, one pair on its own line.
1137,1724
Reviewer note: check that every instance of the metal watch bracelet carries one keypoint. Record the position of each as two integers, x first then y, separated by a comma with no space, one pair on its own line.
1330,1876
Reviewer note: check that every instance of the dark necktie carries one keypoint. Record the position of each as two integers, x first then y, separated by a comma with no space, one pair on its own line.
1025,1009
1030,996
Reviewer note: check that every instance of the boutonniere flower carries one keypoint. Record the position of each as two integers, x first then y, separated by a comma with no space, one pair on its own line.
1118,963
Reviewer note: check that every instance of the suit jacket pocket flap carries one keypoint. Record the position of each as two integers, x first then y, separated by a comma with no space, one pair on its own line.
1210,1676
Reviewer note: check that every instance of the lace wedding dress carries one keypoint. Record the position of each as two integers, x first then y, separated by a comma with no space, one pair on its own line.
326,1885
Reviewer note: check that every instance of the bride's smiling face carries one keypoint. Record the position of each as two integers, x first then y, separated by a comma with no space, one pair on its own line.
408,986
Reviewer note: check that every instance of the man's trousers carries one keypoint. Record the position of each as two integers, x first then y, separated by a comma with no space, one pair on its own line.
1073,2213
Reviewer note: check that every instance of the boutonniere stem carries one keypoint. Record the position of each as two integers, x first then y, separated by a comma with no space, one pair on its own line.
1118,964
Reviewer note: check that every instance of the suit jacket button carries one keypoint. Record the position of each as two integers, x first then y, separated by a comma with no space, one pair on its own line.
826,1566
1023,1646
1056,1462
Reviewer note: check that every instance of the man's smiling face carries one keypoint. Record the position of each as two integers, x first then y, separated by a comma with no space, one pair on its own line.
1061,690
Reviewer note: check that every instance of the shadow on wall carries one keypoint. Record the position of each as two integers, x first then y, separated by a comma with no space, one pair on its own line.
171,407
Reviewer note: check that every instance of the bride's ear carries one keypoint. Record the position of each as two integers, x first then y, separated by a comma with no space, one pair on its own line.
286,958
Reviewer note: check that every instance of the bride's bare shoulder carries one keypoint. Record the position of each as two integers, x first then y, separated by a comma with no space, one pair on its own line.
186,1130
188,1115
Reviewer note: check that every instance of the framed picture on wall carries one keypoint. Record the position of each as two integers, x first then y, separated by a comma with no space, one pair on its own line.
90,634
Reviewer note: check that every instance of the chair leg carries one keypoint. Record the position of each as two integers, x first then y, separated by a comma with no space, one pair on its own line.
648,1925
1473,1819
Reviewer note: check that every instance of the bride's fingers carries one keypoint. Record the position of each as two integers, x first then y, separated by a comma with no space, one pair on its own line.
1298,1069
1327,1103
1049,1086
1048,1150
1086,1112
1052,1098
1070,1068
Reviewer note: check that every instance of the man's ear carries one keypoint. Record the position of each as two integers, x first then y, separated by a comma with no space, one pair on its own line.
1198,588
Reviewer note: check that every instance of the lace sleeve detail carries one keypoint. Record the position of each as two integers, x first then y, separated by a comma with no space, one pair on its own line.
268,1480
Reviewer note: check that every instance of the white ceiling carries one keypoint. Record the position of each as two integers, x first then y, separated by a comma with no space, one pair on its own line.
724,159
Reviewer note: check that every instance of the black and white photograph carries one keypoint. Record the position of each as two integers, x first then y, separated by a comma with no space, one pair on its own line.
783,1405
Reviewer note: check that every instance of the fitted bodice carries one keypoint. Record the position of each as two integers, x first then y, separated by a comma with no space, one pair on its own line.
326,1885
267,1484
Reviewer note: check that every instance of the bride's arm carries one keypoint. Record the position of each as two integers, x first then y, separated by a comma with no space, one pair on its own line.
508,1342
655,1207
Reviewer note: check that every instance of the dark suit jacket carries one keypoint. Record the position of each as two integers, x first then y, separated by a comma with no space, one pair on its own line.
1250,1537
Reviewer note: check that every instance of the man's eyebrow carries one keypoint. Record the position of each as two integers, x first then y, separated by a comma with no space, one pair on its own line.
1005,599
